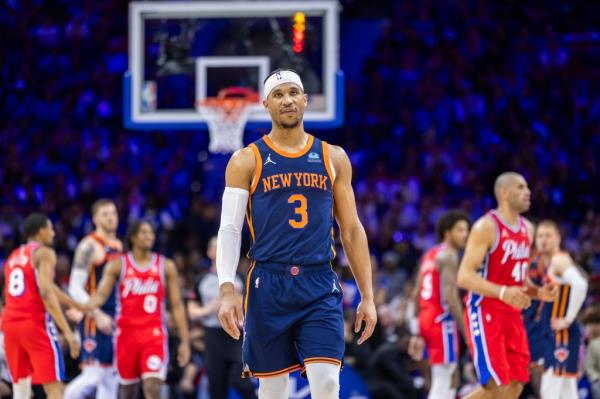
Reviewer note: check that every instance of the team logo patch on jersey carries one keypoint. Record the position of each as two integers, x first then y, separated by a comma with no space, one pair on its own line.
269,160
314,157
153,362
89,344
256,282
561,354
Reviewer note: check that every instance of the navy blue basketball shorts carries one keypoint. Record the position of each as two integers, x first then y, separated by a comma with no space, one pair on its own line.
564,357
95,346
293,317
540,342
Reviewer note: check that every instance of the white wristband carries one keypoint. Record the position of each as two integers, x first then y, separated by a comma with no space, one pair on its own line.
502,292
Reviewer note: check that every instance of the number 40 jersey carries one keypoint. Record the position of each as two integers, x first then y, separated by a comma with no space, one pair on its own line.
290,211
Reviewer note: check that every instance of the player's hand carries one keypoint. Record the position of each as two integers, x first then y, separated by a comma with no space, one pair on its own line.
183,354
559,324
416,348
104,322
548,292
74,315
365,312
74,345
230,311
516,297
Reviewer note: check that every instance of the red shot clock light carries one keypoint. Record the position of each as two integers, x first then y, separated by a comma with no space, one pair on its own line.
298,32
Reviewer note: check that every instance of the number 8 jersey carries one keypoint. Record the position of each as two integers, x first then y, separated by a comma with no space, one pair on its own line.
21,292
507,261
140,294
290,211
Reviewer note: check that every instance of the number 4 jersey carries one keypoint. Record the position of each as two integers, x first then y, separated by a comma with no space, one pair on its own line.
290,211
506,263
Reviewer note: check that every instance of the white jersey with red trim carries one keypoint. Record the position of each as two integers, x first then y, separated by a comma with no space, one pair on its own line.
141,293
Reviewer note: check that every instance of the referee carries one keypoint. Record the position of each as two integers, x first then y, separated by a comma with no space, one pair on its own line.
223,354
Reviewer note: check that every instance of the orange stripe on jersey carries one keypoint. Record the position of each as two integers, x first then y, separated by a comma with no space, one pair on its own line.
303,151
92,291
258,168
326,161
248,286
249,218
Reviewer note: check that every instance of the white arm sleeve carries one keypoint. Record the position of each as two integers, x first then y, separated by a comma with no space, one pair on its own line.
229,240
579,286
77,283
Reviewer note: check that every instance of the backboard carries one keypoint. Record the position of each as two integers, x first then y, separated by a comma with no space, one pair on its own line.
182,52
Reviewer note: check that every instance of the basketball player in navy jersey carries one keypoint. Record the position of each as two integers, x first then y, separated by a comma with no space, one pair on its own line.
91,257
291,185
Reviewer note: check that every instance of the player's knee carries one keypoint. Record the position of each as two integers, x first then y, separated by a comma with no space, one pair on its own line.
324,380
152,387
273,387
325,388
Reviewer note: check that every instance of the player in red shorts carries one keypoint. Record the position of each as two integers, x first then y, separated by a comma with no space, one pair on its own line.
494,270
143,278
440,309
32,307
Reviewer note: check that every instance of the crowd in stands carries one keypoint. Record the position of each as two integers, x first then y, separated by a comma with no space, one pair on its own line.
452,94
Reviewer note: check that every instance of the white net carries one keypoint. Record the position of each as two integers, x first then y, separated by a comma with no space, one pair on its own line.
226,121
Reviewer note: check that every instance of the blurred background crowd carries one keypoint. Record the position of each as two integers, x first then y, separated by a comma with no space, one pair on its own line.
448,95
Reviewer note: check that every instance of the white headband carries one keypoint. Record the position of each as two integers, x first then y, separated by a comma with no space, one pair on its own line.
279,78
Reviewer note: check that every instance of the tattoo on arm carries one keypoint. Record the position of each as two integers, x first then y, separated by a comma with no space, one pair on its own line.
83,256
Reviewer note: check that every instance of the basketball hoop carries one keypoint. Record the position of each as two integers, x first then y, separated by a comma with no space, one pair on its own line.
226,115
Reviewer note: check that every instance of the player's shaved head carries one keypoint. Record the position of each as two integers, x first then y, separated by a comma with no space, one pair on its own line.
505,181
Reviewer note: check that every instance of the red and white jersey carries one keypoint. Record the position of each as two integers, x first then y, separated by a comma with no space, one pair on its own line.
507,261
141,293
431,295
21,293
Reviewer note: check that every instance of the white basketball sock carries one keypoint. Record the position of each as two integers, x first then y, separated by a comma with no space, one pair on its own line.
324,380
273,387
22,389
441,381
551,385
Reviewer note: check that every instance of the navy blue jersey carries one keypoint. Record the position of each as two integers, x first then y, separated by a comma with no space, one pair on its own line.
290,211
97,346
111,252
537,275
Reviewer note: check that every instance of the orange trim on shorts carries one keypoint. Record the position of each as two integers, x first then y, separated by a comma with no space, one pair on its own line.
258,168
565,374
303,151
326,161
248,287
563,300
276,373
322,360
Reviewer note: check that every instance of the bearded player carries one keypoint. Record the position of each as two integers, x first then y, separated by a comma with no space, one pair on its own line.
494,271
91,257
